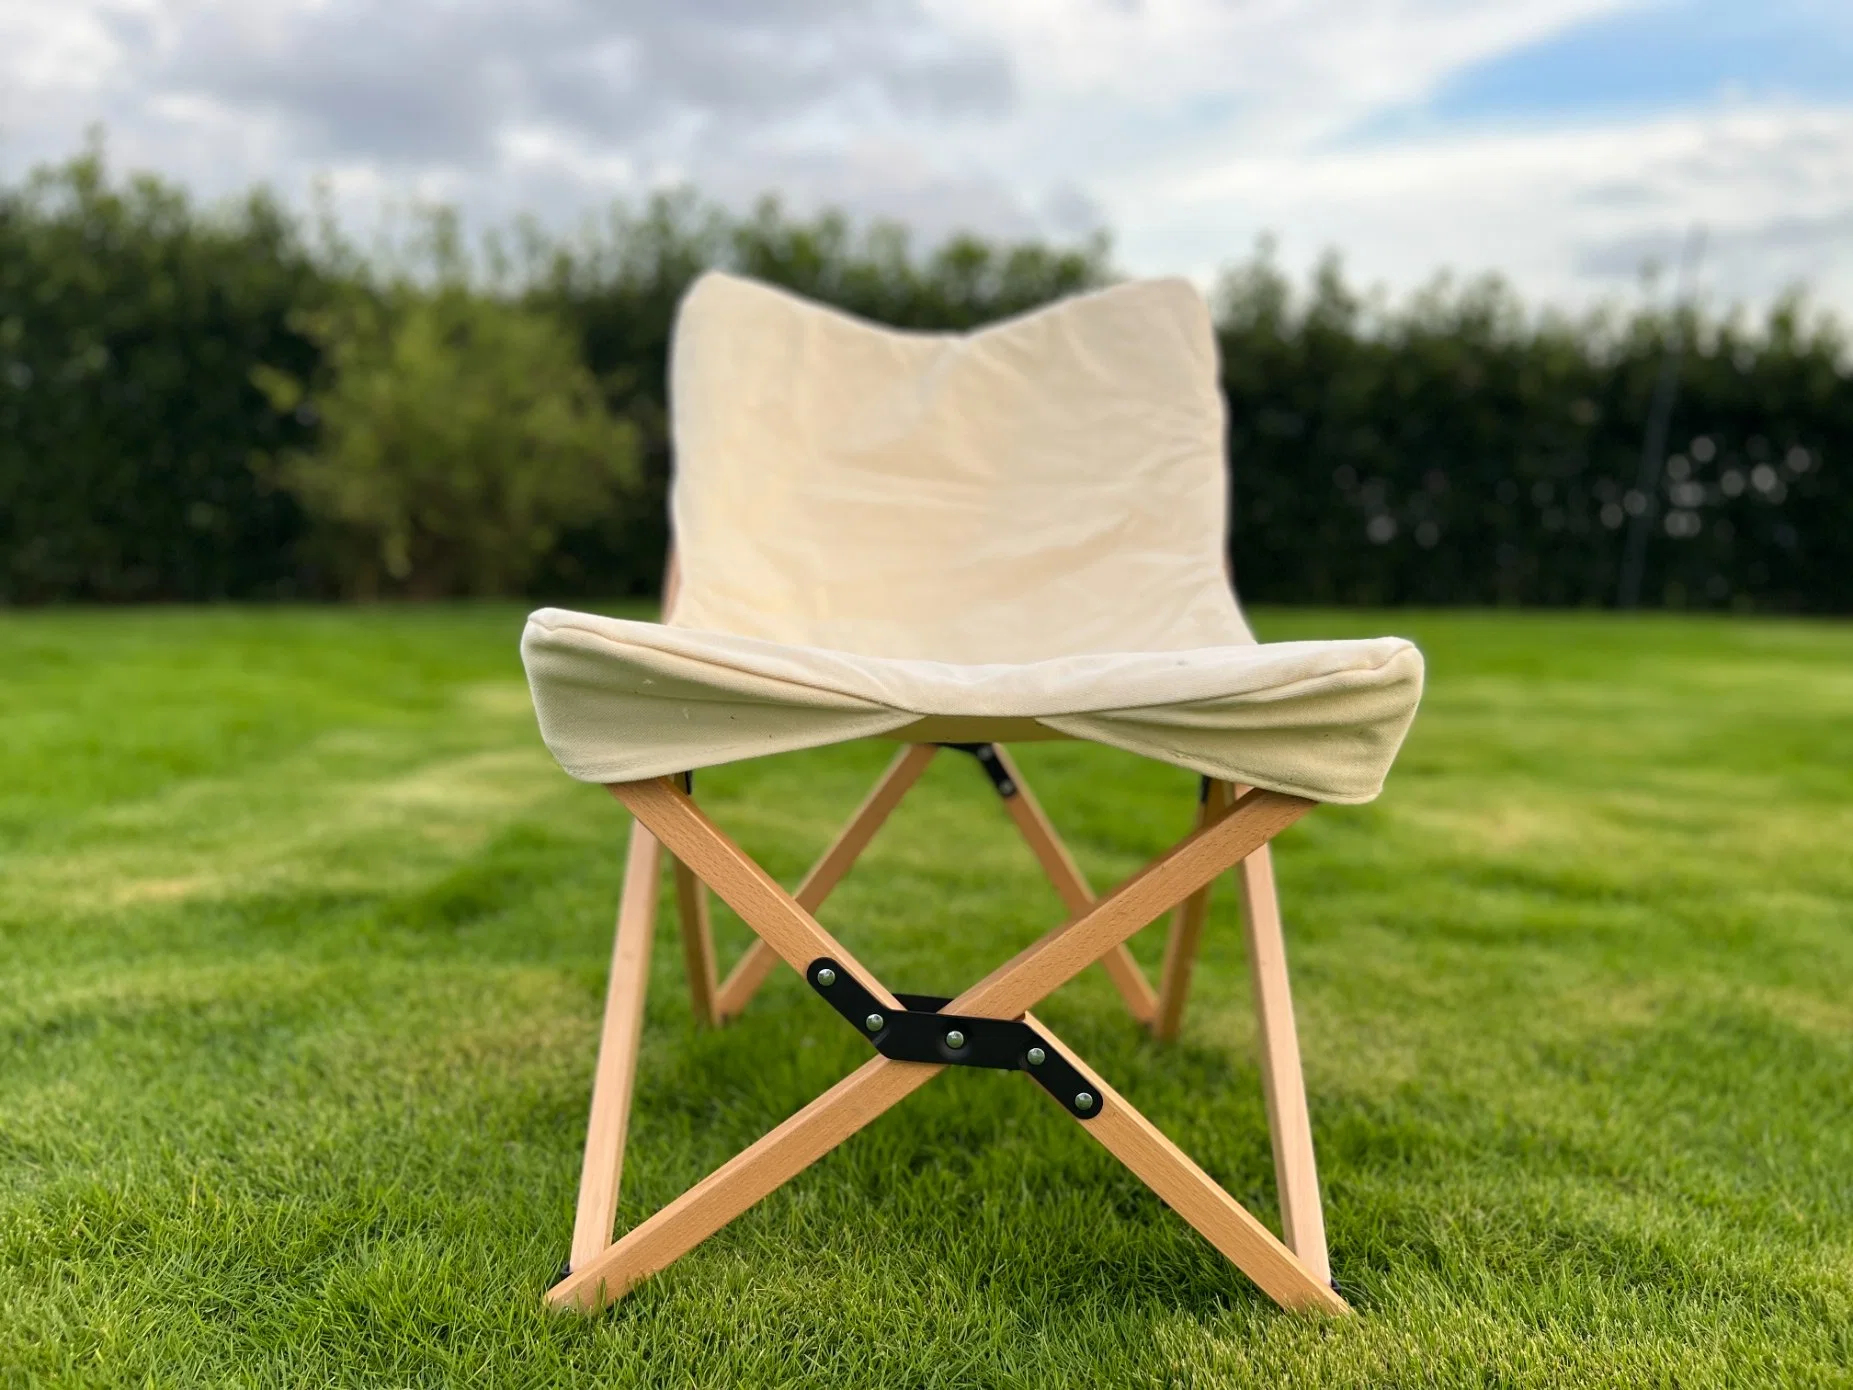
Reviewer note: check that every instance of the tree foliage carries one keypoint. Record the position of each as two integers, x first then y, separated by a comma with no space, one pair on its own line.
130,322
457,436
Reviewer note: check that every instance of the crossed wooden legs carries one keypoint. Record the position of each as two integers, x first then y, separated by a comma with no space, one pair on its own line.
1233,833
746,977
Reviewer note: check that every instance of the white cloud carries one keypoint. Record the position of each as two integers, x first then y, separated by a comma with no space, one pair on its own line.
1187,126
1568,213
1198,127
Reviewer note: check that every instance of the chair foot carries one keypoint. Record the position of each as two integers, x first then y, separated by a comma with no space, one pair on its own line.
1197,1197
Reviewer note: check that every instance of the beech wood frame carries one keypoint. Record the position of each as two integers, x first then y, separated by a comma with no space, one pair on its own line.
1233,829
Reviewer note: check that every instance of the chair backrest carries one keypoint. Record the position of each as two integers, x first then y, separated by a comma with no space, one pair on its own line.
1048,486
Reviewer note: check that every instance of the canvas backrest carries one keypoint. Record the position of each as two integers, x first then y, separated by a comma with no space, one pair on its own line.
1046,486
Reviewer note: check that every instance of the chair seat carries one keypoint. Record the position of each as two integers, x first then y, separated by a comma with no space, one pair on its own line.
619,701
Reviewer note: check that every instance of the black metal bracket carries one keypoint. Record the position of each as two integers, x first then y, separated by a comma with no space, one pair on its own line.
919,1032
986,754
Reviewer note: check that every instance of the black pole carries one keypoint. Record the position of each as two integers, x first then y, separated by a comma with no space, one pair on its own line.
1659,420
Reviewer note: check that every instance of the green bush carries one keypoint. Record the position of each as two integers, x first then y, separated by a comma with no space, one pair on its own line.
130,322
457,436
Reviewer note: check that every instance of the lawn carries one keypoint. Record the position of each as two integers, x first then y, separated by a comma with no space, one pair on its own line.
302,950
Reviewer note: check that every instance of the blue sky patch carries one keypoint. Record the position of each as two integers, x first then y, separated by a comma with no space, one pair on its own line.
1664,56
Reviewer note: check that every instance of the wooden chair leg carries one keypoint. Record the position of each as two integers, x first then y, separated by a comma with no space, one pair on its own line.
744,980
697,944
1283,1274
1007,992
871,1090
1295,1172
1289,1121
617,1049
1070,884
1027,977
1186,933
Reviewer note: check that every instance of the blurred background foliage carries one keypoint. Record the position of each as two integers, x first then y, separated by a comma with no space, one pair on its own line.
456,435
129,328
230,402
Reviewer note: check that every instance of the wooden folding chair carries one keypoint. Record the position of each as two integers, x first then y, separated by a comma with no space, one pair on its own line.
1272,731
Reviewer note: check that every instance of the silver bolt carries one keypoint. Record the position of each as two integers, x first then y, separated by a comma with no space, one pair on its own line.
1084,1101
955,1040
873,1023
1037,1056
826,977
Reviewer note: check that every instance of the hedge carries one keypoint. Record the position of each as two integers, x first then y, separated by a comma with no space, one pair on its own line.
1455,448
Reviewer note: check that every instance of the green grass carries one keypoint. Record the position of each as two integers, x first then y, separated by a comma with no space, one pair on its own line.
302,945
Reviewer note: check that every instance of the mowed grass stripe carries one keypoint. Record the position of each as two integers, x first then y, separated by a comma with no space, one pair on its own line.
302,946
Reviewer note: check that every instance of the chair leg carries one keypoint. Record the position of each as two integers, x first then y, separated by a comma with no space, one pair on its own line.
744,980
1284,1275
1295,1172
697,944
617,1049
754,1173
1006,993
1059,866
1021,982
1187,930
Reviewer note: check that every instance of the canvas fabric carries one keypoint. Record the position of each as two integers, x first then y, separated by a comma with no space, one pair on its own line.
1024,523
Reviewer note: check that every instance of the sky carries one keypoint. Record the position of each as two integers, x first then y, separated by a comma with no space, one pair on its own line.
1560,143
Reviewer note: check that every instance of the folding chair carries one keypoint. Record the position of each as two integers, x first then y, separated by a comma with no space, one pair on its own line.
955,541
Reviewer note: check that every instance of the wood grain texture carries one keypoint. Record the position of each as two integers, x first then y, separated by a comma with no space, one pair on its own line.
736,1185
1186,934
672,817
697,944
744,980
1289,1120
616,1069
1049,963
1197,1197
1071,885
749,890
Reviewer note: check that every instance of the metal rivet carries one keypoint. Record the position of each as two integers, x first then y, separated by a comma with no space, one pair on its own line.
1037,1056
955,1040
826,977
1084,1101
873,1023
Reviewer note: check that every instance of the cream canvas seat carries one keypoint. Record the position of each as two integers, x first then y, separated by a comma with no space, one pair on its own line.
966,540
